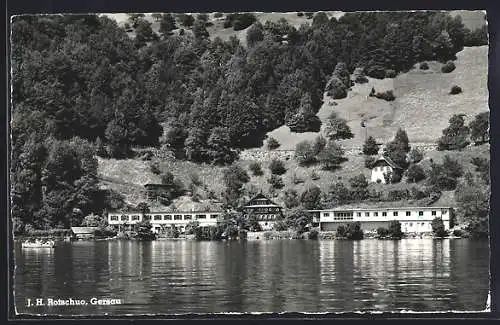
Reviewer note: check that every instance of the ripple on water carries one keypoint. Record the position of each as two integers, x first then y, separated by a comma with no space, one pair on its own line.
270,276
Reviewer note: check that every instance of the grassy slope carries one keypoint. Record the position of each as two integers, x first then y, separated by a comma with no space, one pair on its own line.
422,106
128,177
422,100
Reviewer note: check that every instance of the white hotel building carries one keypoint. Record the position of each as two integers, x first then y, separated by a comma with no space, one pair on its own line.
163,220
412,219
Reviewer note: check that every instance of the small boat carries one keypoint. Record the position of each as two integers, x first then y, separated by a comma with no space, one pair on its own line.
39,244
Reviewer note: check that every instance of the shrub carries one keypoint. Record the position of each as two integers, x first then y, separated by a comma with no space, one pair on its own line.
106,232
127,27
359,76
444,176
202,17
438,227
218,14
482,167
272,143
331,156
280,225
415,155
255,168
186,20
239,21
369,162
361,79
476,38
479,128
394,229
342,72
376,71
277,167
417,194
276,181
395,177
398,195
305,120
311,198
370,147
459,233
291,198
309,15
300,14
300,123
318,144
456,135
335,88
313,234
337,128
143,231
424,66
354,231
414,174
305,153
358,181
390,73
386,95
341,231
382,232
448,67
455,90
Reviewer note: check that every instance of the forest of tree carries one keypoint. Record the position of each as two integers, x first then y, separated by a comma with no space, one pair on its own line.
81,82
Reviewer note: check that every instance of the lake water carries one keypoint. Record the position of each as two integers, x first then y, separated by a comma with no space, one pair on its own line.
172,277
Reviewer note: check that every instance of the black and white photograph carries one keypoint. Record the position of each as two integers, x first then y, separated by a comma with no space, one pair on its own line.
242,163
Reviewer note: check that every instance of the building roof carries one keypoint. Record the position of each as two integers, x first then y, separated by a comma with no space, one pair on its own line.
382,208
165,212
153,185
83,230
260,196
388,161
262,206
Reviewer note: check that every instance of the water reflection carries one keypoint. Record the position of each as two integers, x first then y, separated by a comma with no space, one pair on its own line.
173,277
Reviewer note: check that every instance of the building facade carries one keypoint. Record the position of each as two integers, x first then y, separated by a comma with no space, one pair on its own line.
412,219
264,210
381,167
163,220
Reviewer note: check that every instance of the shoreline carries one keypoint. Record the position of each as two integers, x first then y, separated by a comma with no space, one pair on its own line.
254,237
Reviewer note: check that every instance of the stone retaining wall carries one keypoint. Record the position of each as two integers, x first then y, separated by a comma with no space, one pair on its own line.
268,155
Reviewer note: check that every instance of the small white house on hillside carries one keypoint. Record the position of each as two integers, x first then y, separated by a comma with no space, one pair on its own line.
383,165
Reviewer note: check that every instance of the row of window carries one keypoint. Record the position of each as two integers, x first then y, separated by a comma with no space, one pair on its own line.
340,214
384,214
410,224
342,218
262,217
384,168
260,202
158,217
262,210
